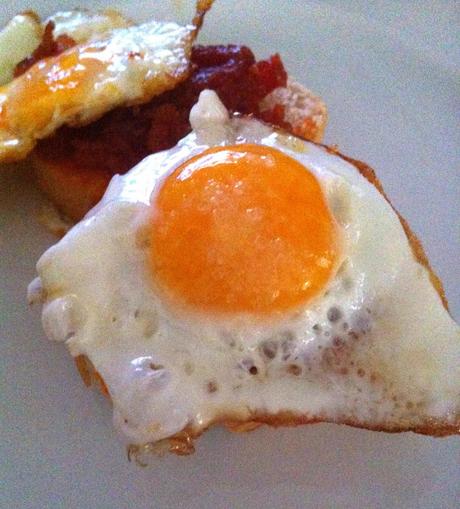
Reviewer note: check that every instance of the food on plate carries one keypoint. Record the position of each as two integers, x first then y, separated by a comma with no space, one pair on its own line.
74,166
247,277
123,66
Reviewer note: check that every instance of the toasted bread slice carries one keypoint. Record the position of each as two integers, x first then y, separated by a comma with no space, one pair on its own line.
73,190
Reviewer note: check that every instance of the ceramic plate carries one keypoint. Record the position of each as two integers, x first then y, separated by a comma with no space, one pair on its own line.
387,72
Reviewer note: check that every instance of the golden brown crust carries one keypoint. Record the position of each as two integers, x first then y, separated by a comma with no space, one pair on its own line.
304,113
73,190
286,419
89,375
182,443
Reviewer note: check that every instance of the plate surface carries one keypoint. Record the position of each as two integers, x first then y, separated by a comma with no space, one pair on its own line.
388,75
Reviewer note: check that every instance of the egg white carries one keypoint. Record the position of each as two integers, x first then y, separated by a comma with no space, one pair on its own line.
376,348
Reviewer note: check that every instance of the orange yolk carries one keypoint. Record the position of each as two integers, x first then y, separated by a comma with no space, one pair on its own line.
242,228
56,84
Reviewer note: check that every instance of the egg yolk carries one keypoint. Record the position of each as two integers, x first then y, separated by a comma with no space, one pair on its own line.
56,84
52,86
242,228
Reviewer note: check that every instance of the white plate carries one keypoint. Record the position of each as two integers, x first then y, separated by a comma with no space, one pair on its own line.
387,73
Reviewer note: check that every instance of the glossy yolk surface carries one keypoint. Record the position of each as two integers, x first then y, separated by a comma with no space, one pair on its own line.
56,84
242,228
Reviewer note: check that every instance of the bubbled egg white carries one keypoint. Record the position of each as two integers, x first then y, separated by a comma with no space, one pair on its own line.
361,352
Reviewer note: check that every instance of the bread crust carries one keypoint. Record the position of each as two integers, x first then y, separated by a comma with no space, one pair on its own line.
182,443
72,190
304,113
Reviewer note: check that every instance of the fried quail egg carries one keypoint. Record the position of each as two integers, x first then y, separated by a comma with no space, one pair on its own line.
247,275
117,67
